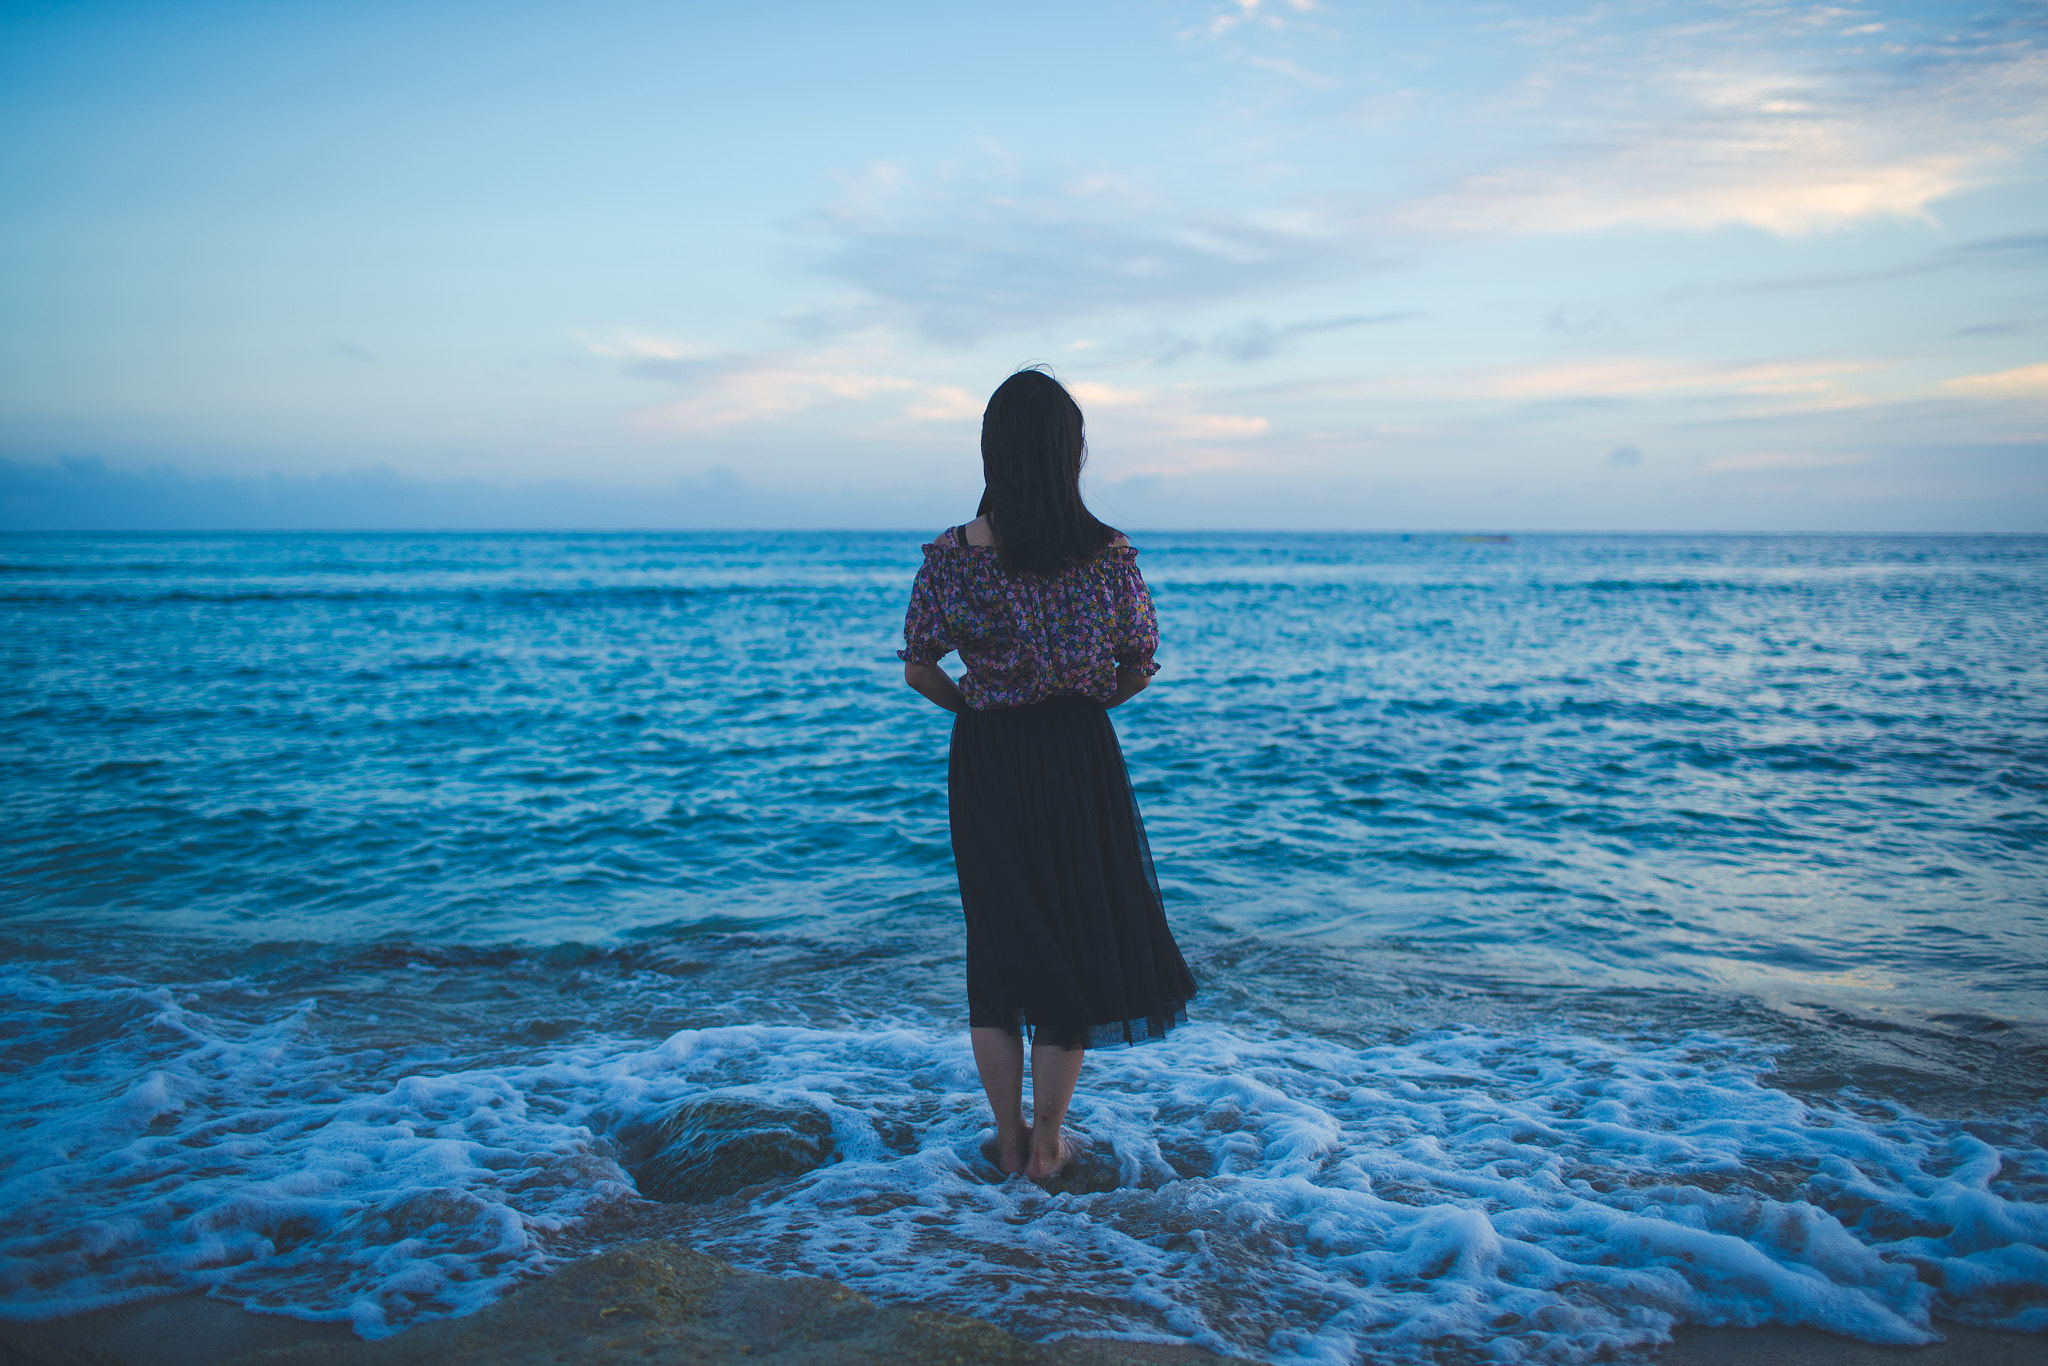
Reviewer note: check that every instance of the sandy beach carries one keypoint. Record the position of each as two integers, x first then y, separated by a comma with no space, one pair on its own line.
658,1300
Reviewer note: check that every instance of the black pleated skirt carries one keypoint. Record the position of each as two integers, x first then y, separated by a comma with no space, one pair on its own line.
1066,937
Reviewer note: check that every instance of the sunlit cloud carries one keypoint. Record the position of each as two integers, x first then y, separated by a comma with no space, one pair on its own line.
1147,416
2026,379
944,403
641,346
730,390
735,389
767,392
1790,153
1630,375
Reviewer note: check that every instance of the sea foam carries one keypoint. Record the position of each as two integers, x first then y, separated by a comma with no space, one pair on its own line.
1523,1196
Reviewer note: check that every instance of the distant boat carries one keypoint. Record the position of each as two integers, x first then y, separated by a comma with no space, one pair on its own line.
1487,540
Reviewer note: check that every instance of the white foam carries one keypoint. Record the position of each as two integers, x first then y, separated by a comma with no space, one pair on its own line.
1534,1197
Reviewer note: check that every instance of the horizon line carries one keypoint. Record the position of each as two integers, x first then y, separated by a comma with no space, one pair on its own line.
573,530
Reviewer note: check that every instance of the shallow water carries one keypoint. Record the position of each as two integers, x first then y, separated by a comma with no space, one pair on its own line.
1596,933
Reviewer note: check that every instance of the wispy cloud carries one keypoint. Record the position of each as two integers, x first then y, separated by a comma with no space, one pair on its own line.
1166,422
732,389
2017,251
2027,379
1624,376
1257,339
944,403
1258,12
1781,460
1739,123
1280,66
1791,123
997,252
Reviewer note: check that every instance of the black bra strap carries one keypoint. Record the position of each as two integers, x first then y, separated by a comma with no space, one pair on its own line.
960,535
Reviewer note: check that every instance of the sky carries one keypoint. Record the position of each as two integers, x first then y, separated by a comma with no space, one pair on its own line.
1701,265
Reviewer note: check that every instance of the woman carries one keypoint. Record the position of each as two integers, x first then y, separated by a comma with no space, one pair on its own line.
1066,937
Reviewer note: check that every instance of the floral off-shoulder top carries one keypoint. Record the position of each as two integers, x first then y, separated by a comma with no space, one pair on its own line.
1023,637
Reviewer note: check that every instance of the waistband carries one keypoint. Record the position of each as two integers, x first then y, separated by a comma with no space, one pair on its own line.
1062,702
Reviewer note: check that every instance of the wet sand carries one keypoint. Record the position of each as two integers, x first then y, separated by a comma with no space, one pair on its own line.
660,1301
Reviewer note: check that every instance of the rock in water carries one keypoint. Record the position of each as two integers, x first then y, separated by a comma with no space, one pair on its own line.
710,1146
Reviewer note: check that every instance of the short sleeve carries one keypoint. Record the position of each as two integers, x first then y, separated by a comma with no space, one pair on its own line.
924,625
1138,626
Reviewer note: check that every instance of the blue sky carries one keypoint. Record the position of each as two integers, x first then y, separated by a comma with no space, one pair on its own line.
1306,264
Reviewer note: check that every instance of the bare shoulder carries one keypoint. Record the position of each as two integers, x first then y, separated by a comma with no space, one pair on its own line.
980,533
1119,542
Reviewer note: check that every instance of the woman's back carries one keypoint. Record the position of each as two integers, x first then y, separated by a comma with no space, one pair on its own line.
1026,637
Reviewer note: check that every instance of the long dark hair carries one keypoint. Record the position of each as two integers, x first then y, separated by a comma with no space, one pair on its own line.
1032,450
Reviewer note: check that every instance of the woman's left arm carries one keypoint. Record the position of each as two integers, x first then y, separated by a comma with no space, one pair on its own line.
1138,637
1129,683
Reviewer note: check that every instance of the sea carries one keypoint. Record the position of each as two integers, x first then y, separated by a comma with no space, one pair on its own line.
1595,935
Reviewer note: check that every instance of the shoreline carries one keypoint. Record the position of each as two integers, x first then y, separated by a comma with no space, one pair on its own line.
658,1298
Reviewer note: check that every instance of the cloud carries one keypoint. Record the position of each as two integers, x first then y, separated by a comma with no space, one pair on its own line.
1255,11
944,403
732,389
756,389
1781,460
1280,66
1144,418
1257,340
1624,376
1753,128
2009,327
1000,252
1624,457
642,347
2028,250
2021,251
2027,379
1789,122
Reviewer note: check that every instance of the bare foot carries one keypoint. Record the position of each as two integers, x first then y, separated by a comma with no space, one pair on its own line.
1049,1160
1013,1145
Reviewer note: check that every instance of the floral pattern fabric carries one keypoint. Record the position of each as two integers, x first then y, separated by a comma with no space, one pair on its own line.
1023,637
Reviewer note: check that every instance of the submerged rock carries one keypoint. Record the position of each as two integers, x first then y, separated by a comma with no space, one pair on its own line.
710,1146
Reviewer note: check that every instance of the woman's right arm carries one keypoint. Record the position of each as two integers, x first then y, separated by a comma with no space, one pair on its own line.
925,642
937,685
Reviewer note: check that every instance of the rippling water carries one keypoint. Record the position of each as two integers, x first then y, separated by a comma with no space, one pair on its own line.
1595,933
